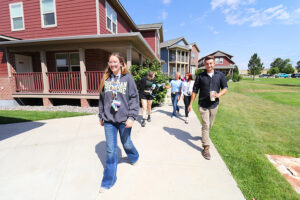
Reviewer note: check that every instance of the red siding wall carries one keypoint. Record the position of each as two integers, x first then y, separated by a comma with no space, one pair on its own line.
158,43
123,27
96,60
73,18
195,61
3,66
150,38
226,61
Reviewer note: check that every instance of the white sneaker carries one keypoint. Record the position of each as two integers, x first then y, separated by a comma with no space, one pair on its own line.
102,189
186,120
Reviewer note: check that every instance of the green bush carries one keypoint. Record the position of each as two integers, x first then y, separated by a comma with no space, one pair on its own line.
138,72
228,77
236,77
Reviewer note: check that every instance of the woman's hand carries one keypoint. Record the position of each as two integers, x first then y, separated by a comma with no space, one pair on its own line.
101,123
129,123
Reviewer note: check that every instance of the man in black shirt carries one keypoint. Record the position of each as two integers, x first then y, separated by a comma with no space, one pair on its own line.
209,82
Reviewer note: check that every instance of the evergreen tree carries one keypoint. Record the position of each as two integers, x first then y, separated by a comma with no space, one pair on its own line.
298,66
255,66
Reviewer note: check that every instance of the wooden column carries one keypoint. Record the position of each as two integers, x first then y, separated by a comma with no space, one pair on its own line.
8,63
129,57
82,71
44,71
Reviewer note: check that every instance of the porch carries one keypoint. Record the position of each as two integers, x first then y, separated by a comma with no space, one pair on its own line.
68,68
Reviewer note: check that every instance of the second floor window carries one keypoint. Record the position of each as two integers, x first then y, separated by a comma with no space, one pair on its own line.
193,55
221,60
16,16
48,13
217,60
111,19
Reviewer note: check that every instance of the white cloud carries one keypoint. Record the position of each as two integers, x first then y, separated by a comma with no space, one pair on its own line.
213,30
230,4
166,1
259,17
182,24
164,15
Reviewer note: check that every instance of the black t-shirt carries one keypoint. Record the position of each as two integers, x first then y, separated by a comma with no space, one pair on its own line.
206,84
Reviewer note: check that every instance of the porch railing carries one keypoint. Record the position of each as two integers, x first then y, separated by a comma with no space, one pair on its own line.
93,79
29,82
64,82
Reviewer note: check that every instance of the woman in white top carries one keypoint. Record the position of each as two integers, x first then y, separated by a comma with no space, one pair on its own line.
187,90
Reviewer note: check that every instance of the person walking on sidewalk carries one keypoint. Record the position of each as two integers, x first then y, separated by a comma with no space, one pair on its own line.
209,82
147,85
187,90
176,86
118,109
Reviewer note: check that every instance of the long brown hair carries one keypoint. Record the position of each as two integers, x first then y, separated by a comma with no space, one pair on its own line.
108,72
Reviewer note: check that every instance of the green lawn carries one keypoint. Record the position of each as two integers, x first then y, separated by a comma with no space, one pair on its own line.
257,118
14,116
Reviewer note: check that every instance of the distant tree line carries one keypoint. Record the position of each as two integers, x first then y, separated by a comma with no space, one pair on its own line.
279,65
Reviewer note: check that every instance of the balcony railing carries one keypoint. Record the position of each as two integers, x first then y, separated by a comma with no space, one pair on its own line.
64,82
28,82
59,82
93,79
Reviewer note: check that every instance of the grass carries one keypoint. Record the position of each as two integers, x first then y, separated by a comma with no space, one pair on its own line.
257,118
15,116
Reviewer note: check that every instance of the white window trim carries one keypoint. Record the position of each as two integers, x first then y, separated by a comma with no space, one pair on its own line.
11,19
107,4
68,59
42,16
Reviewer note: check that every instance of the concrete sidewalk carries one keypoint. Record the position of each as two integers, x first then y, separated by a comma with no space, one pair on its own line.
63,159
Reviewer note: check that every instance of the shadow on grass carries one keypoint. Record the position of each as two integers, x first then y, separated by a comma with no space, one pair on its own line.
10,130
184,137
100,150
286,85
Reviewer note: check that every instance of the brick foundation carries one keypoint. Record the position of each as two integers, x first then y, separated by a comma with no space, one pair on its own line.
6,88
47,102
84,103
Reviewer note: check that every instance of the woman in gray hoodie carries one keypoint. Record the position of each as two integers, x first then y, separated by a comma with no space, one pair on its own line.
118,109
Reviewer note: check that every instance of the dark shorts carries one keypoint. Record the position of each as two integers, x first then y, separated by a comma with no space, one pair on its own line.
146,96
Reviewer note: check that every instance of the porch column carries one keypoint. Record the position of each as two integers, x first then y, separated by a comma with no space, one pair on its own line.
129,57
141,59
82,71
44,71
8,63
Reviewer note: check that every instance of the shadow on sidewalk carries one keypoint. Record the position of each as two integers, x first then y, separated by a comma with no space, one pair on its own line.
100,150
10,130
184,136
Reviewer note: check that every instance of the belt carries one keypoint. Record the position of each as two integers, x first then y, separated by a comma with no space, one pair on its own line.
175,92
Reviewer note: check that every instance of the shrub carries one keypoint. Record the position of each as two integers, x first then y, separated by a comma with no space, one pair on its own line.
138,72
228,77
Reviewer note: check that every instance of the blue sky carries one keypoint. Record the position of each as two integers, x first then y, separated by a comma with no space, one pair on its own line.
270,28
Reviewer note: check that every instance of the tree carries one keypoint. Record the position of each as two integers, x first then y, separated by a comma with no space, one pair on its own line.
255,66
273,70
298,66
280,64
289,69
236,70
138,72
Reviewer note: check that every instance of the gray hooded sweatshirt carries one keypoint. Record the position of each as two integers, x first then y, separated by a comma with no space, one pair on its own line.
127,95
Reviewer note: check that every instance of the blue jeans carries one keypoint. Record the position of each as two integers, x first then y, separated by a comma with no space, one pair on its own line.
111,132
175,102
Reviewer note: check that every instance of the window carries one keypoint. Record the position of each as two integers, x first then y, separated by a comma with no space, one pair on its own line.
67,62
111,19
16,16
193,55
48,13
217,60
221,60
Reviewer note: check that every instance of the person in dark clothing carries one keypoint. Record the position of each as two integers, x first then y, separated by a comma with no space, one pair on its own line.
187,90
147,86
118,109
209,82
